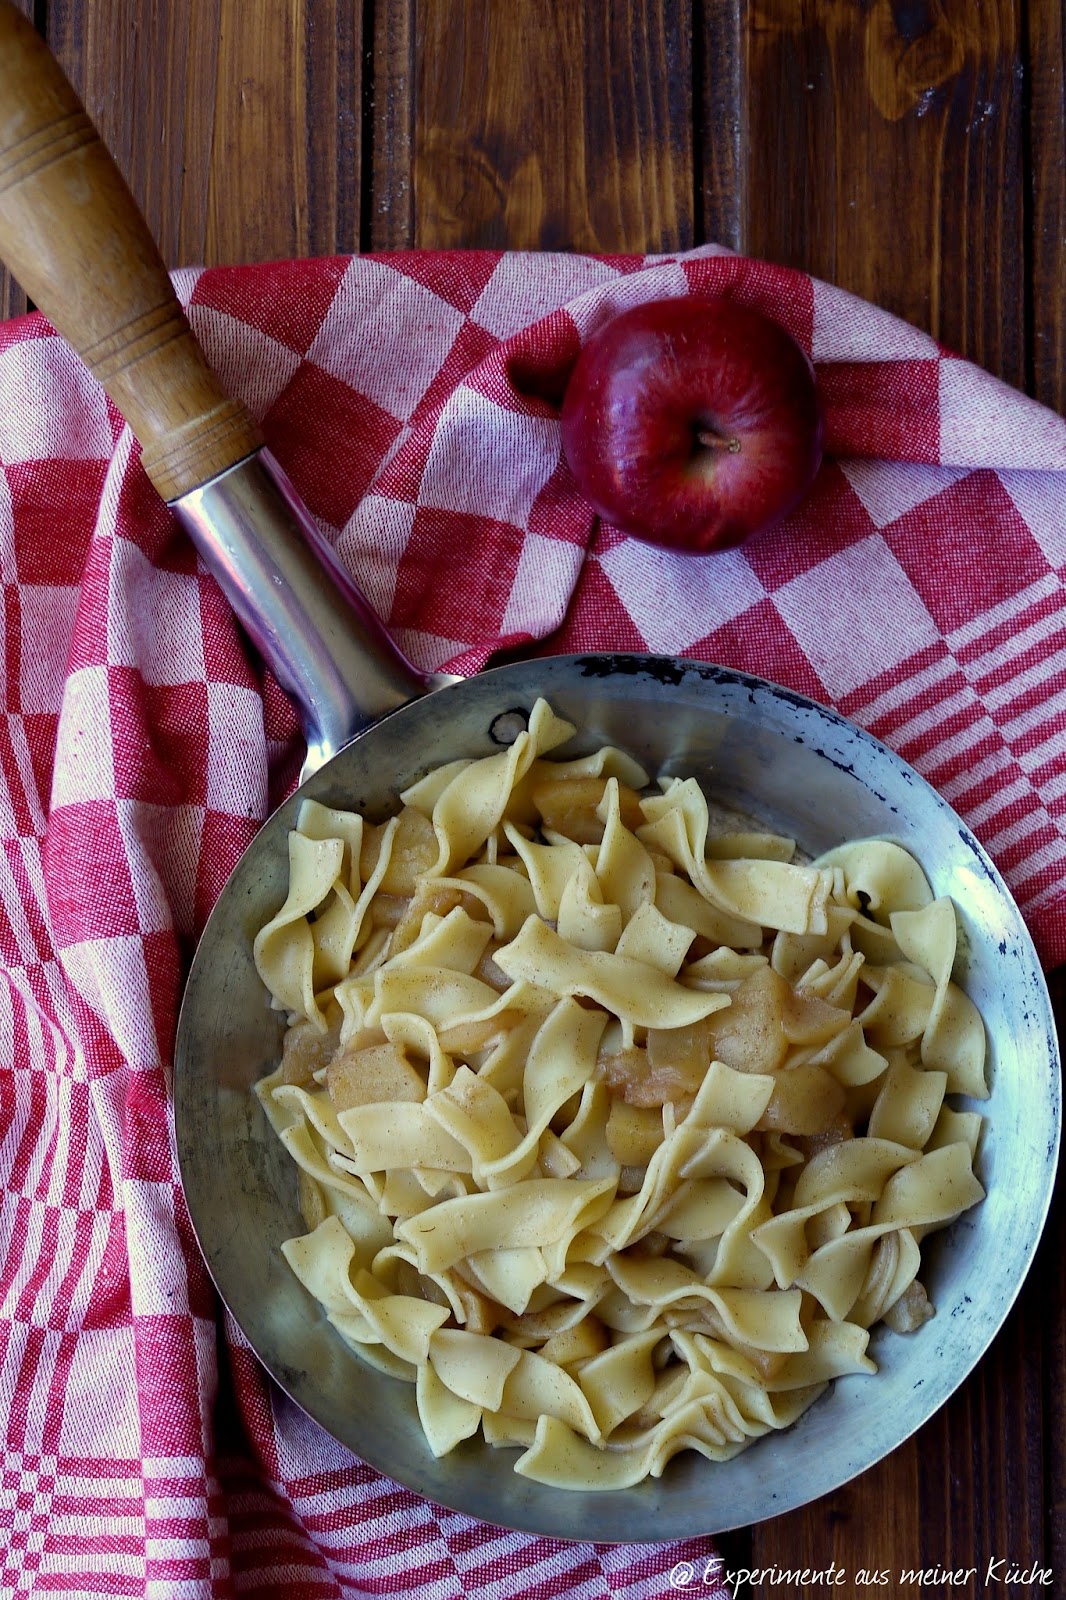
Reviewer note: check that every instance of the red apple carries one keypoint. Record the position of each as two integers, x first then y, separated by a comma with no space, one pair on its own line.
692,423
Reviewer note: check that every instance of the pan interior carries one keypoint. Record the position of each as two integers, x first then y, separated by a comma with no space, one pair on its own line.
790,766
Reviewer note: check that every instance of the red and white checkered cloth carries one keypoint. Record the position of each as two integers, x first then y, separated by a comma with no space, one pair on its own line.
413,400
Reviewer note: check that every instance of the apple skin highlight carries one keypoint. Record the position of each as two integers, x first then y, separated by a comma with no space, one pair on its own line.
692,423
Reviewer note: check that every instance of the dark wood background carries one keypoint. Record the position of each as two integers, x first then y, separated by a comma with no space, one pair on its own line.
913,151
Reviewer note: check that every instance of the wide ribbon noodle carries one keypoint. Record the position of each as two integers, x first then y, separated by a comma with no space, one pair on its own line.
614,1136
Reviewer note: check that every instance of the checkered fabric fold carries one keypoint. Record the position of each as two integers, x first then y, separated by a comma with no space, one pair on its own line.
413,399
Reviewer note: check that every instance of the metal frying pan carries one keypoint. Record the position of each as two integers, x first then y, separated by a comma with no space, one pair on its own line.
70,232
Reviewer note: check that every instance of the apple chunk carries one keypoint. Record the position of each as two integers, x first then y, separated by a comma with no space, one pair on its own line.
692,423
370,1076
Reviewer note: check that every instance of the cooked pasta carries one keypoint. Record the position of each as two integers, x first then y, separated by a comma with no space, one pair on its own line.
614,1136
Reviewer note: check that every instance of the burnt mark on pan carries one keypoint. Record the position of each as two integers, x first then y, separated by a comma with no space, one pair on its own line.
671,670
846,767
972,845
663,669
507,725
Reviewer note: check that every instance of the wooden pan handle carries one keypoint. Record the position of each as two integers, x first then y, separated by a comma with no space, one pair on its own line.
71,233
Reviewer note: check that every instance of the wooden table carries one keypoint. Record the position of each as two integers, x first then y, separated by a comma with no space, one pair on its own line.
909,150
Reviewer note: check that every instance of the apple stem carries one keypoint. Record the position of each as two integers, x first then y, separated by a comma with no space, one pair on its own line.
718,441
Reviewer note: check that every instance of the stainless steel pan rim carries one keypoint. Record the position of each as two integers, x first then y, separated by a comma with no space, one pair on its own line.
794,766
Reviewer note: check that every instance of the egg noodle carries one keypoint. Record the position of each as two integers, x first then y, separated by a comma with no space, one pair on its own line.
613,1137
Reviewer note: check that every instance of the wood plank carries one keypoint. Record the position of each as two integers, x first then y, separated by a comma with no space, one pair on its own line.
236,126
1046,76
332,134
390,212
547,124
847,1532
885,154
981,1460
13,302
886,148
720,152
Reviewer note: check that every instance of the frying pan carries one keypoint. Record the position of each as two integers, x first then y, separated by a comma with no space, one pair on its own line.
70,232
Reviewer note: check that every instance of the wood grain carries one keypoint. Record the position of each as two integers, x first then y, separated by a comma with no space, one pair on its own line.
13,298
1046,76
885,153
390,213
543,124
235,124
720,152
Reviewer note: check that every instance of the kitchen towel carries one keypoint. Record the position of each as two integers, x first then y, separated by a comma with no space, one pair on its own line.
413,398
